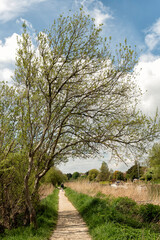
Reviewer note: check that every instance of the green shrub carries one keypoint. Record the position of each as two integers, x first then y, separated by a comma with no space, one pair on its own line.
150,213
47,214
125,205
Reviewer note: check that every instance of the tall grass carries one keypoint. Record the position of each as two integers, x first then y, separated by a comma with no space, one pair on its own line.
45,189
47,214
140,192
116,218
154,192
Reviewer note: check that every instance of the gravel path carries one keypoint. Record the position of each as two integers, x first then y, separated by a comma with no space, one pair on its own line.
70,225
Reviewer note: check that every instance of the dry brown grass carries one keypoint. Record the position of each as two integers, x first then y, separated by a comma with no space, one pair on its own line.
140,192
45,190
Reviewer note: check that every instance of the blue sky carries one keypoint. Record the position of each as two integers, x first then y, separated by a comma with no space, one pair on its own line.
136,20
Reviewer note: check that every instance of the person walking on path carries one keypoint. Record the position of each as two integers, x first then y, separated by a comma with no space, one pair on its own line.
70,225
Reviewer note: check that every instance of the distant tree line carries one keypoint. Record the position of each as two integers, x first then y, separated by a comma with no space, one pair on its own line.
136,172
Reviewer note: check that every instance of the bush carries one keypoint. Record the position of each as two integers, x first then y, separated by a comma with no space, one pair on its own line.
125,205
75,175
55,177
93,173
150,213
47,214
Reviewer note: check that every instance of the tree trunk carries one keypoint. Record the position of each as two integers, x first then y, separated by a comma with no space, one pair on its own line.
29,204
28,199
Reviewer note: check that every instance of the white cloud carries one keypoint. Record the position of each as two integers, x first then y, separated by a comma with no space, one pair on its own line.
5,74
152,38
99,16
7,57
149,81
84,165
149,71
95,9
10,9
8,49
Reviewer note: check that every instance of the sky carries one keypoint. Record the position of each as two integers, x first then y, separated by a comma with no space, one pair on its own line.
136,20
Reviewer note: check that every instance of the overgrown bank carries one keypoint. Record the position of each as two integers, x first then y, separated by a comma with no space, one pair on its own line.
47,214
117,218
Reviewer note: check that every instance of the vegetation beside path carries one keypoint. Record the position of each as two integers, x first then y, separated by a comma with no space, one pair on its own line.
47,215
117,218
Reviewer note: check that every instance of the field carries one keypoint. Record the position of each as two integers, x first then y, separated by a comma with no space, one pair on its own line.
139,192
117,218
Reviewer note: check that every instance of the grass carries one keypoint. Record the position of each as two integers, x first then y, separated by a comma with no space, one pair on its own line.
116,218
140,192
47,214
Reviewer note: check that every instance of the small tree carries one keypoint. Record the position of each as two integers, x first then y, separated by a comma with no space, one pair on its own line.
135,172
75,175
104,172
69,176
55,176
118,175
93,173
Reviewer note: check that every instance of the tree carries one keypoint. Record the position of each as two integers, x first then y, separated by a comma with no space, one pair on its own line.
69,176
135,172
154,160
118,175
55,176
93,173
104,172
75,175
74,98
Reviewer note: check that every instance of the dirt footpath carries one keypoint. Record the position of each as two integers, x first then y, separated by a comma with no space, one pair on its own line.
70,225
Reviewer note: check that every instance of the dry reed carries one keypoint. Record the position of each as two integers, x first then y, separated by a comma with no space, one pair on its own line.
45,190
140,192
